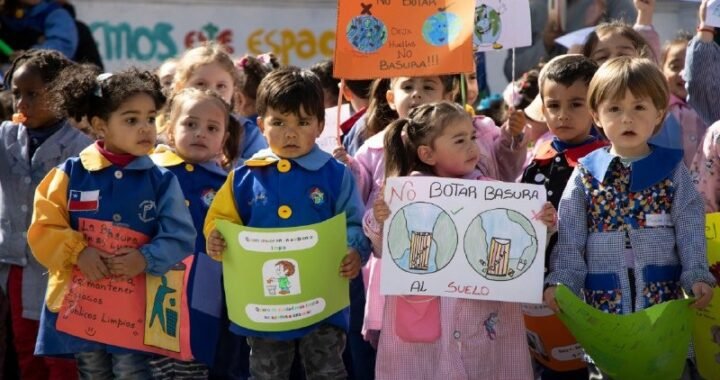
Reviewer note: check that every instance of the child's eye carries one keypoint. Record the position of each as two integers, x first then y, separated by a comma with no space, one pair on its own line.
640,107
473,137
222,86
552,106
429,88
407,88
151,119
577,104
213,128
276,123
131,120
304,123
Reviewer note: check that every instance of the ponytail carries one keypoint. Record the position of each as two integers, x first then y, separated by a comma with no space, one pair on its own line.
399,158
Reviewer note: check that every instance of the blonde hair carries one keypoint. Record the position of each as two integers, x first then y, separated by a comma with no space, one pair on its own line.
202,55
640,76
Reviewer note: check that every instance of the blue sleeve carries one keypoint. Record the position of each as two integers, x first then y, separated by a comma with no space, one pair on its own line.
702,77
567,260
253,141
60,33
350,203
175,238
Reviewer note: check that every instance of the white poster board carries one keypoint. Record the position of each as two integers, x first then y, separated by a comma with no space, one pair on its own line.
502,24
328,139
463,239
712,14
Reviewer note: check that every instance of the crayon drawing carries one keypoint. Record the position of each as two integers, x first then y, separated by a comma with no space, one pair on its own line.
281,278
501,24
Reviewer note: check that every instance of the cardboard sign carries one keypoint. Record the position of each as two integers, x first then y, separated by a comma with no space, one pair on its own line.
391,38
464,239
145,313
501,24
280,279
706,334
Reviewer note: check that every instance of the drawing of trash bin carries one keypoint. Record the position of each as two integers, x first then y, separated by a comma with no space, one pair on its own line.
499,257
272,289
420,250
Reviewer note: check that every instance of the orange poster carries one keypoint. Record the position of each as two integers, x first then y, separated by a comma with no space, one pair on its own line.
390,38
146,313
550,341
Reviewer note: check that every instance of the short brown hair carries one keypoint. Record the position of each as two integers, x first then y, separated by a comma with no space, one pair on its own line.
622,29
639,75
566,70
288,89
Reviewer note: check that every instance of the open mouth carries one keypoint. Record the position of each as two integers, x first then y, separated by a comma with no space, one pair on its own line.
144,142
629,133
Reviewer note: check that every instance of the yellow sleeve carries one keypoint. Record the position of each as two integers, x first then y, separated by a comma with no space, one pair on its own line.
52,241
222,207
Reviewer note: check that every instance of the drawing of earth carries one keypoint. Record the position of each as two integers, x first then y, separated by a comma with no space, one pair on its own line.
488,27
500,244
422,238
441,28
366,33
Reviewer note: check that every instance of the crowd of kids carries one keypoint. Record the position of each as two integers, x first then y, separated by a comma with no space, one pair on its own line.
618,136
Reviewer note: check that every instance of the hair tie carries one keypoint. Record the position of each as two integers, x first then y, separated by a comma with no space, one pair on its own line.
242,62
266,60
98,83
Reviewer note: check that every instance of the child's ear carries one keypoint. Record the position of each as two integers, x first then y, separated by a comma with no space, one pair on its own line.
426,155
596,118
98,124
390,96
449,96
261,124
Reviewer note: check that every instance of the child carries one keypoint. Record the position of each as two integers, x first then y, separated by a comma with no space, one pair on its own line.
290,105
702,69
437,139
357,92
330,85
124,188
38,24
208,67
376,118
37,140
166,73
198,133
252,71
634,196
563,82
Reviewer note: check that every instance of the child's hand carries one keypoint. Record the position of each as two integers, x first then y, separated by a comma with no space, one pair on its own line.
702,12
341,154
646,9
381,211
516,122
350,266
703,294
216,244
548,216
126,263
549,298
91,264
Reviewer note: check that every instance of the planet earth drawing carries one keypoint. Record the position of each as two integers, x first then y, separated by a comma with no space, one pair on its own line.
441,28
488,27
366,33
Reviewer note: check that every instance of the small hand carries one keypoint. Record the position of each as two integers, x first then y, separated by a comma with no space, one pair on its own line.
548,216
549,298
126,263
516,122
216,244
381,210
341,154
703,295
644,5
91,264
350,266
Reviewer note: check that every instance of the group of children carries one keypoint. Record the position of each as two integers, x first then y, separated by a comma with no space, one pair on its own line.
237,143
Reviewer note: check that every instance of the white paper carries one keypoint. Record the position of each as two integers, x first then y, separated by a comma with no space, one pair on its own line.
463,239
502,24
577,37
712,14
328,139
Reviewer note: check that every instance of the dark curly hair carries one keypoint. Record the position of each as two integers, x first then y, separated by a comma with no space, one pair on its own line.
324,71
47,63
253,70
79,91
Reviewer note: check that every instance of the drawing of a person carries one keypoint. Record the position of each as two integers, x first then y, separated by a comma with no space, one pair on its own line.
284,269
157,310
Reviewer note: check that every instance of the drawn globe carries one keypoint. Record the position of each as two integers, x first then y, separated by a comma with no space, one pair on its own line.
366,33
441,28
500,244
488,25
422,238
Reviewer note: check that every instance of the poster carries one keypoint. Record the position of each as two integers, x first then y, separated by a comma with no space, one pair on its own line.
328,139
501,24
649,344
550,342
391,38
712,13
279,279
464,239
145,313
706,334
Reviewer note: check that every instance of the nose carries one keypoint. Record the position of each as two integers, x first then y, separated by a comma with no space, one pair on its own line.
21,104
416,94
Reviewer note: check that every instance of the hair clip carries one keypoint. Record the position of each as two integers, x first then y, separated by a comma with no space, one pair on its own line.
242,62
98,81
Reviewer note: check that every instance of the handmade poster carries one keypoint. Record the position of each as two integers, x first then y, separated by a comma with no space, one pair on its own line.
712,13
391,38
706,335
328,139
145,313
279,279
649,344
550,342
464,239
501,24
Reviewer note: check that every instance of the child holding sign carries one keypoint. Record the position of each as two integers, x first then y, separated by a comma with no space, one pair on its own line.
293,183
103,219
631,222
440,337
198,123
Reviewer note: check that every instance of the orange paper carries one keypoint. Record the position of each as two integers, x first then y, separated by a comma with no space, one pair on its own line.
114,311
391,38
550,342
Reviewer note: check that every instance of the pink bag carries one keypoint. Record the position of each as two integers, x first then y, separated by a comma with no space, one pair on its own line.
417,318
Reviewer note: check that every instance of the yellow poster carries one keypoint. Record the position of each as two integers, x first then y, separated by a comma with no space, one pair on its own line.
707,322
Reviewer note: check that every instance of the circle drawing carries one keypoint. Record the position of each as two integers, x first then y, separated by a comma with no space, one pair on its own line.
488,27
500,244
441,28
422,238
366,33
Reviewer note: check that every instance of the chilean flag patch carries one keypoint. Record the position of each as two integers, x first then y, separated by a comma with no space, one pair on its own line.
84,200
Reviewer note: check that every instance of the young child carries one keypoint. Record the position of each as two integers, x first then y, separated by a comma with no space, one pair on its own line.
438,139
208,67
252,71
32,145
376,118
563,89
330,85
702,69
290,105
198,124
635,197
128,190
357,93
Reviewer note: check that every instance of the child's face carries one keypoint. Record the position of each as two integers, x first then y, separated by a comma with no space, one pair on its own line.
628,123
672,69
290,135
454,153
566,111
199,130
612,45
29,98
472,87
212,76
407,93
130,129
166,73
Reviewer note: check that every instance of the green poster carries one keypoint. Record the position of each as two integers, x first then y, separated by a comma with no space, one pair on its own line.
707,321
279,279
650,344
